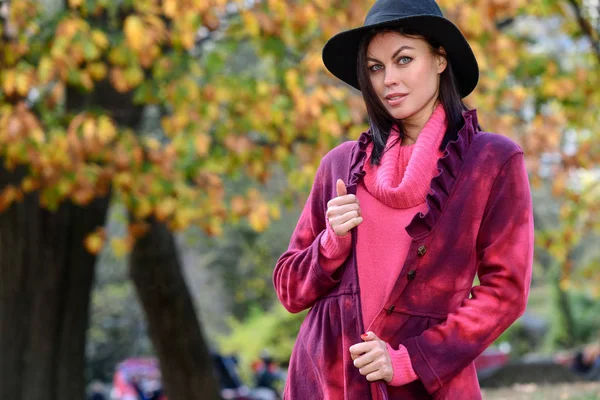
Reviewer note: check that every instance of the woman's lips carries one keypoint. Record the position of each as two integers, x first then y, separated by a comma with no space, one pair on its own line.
395,100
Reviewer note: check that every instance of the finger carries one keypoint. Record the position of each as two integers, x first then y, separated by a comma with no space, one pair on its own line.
359,349
365,356
341,219
375,376
369,336
343,200
347,226
364,360
335,211
369,368
340,187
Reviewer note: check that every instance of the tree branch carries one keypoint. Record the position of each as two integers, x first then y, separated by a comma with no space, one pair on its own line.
586,28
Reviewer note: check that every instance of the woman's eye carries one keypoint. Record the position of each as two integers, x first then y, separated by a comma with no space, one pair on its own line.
375,67
404,60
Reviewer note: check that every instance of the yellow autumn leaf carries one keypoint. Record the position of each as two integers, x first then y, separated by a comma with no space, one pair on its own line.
89,129
123,180
94,241
153,143
106,129
29,184
120,246
170,8
86,80
291,79
37,135
134,32
8,83
259,217
134,76
251,24
118,55
75,3
187,38
143,208
99,38
45,70
165,208
274,211
183,218
22,82
97,70
215,227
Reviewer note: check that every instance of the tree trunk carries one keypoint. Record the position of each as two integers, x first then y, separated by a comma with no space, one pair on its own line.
45,280
564,329
174,329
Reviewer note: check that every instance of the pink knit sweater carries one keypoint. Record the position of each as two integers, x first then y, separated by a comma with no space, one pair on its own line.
390,196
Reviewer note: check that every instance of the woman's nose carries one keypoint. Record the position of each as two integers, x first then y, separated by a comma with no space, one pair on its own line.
391,77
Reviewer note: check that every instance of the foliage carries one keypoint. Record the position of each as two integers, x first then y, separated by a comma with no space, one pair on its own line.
244,259
216,122
587,326
273,330
223,120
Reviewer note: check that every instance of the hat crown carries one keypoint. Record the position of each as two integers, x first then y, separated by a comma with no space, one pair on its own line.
387,10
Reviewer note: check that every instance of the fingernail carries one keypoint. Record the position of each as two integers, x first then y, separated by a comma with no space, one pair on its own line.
364,336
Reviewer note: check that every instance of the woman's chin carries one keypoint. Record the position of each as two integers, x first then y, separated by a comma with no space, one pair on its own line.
400,113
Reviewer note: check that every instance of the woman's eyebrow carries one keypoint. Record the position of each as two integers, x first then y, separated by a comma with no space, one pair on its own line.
402,48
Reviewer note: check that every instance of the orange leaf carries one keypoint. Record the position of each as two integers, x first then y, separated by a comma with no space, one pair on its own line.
202,143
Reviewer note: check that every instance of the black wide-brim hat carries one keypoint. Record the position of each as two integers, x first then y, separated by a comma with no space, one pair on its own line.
340,54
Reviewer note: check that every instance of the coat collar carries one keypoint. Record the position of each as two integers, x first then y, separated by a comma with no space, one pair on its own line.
449,167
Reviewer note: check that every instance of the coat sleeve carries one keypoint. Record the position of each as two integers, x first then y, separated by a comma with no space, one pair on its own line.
300,277
505,254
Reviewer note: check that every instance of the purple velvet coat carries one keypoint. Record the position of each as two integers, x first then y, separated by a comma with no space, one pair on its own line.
480,221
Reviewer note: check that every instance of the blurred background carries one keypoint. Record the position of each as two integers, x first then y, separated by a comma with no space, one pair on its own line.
156,154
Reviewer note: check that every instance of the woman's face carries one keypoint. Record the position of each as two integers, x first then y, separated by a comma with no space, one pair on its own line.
405,75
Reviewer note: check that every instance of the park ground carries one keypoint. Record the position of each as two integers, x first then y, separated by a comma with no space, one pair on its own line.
572,391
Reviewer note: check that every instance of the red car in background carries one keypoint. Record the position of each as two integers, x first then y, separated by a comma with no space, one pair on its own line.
145,374
134,375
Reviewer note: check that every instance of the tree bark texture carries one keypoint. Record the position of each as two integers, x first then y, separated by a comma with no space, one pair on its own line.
45,280
174,329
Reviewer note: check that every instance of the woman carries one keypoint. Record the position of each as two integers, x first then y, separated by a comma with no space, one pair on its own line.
398,224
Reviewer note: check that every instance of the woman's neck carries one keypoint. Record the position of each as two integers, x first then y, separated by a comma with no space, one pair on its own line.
414,125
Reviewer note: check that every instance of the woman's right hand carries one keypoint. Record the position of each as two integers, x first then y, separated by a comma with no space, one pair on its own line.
343,211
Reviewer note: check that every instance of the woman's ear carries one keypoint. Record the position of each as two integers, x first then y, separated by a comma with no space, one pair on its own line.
442,60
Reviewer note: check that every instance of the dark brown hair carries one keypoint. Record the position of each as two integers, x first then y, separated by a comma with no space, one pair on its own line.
380,119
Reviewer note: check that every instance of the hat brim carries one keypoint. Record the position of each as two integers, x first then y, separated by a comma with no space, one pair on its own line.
340,53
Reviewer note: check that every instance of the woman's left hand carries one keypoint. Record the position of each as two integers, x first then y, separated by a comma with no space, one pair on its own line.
372,358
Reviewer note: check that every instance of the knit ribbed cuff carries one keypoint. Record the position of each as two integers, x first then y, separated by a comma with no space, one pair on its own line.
403,370
333,249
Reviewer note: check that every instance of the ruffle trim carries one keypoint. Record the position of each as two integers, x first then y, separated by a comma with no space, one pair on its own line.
359,158
449,166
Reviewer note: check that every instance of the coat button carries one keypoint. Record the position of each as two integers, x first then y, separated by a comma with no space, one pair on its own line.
422,250
389,310
411,274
